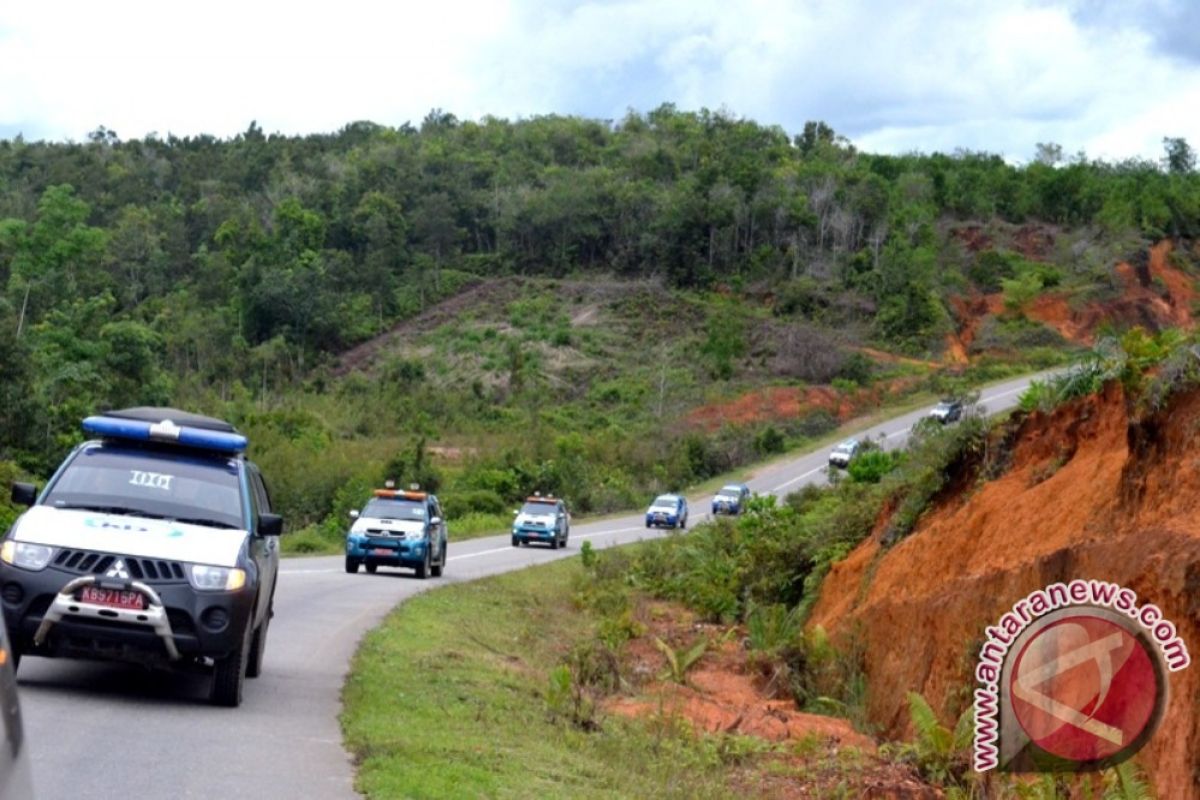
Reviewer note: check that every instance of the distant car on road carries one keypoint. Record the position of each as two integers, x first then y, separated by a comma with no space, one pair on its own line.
544,519
947,411
731,499
844,453
398,528
667,510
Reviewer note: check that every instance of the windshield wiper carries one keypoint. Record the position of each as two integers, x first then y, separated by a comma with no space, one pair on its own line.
211,523
123,510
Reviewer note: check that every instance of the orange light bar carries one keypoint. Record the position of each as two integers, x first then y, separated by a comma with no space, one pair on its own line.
399,493
541,499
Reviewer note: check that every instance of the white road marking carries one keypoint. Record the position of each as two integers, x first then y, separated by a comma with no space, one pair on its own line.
797,478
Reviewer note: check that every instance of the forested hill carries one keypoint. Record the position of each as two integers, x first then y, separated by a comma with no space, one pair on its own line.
151,270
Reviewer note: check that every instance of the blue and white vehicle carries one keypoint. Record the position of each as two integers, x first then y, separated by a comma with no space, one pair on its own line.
398,529
542,519
844,453
153,543
731,499
669,511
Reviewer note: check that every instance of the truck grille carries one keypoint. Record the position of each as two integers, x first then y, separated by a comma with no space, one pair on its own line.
151,570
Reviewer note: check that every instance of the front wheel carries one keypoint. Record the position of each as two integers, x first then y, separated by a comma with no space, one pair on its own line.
423,569
516,542
352,565
229,674
258,646
371,567
440,566
683,524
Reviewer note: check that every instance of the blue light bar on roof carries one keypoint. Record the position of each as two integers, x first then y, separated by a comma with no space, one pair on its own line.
165,431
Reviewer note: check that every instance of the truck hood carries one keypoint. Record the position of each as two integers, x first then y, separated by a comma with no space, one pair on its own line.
536,519
363,524
130,536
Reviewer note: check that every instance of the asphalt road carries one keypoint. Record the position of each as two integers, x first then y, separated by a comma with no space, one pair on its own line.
109,731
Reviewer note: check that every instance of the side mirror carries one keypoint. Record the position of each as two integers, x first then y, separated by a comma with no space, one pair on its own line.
270,524
354,513
435,521
516,511
24,494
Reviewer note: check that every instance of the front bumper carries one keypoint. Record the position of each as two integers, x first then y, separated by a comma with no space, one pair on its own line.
725,508
669,520
387,551
534,534
179,622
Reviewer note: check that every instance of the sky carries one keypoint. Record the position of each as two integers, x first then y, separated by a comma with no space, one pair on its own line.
1109,79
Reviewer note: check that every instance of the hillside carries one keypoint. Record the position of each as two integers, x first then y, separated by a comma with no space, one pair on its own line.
621,293
1096,489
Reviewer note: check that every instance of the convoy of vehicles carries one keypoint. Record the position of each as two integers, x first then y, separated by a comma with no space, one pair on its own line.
542,519
398,528
730,499
153,543
667,510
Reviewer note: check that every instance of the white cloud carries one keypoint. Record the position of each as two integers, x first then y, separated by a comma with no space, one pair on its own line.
998,76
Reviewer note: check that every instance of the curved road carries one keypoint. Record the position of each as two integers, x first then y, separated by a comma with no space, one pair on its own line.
110,731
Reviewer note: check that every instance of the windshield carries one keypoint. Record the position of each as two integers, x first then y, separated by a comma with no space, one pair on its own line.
845,447
538,509
665,502
389,508
945,405
730,491
152,483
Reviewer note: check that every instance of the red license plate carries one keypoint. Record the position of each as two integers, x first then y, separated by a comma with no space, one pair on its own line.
383,551
117,598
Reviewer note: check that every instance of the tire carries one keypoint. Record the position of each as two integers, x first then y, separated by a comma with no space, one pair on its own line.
352,565
423,568
229,674
647,526
554,542
371,567
516,542
440,567
15,655
258,646
683,524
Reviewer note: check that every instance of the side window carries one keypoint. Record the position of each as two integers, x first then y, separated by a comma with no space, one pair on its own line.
259,501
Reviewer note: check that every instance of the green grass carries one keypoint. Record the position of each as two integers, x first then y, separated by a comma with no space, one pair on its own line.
448,698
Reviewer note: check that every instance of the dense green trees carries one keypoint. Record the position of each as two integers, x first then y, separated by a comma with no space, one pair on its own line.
131,271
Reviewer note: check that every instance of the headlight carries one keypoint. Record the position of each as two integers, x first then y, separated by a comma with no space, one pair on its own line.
25,555
208,578
413,536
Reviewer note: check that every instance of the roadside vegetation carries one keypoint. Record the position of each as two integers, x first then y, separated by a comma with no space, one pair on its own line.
556,303
461,693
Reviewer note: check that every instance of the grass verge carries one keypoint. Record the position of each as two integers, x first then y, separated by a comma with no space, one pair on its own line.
449,698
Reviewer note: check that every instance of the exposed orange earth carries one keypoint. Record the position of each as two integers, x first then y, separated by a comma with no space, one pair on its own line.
1155,295
1092,492
726,693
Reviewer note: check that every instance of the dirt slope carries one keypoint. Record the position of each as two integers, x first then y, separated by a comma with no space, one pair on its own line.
1153,293
1089,495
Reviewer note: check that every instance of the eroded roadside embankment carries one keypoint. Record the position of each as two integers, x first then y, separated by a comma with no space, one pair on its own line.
1089,491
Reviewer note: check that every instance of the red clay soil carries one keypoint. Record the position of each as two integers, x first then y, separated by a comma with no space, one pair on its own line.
771,404
1088,495
725,693
1156,295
